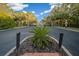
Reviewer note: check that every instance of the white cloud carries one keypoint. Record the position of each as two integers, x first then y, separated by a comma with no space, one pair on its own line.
24,11
52,6
41,13
51,3
33,11
49,10
17,7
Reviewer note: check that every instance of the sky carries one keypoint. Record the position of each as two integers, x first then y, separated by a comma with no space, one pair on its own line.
40,10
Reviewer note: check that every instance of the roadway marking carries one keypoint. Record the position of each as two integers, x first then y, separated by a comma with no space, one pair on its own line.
66,50
11,50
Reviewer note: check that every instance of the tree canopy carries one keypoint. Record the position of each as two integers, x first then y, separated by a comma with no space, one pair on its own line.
10,18
65,11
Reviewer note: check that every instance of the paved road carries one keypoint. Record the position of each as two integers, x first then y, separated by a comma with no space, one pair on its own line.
70,41
8,38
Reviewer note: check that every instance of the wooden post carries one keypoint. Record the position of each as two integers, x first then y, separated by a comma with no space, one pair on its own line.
17,43
60,40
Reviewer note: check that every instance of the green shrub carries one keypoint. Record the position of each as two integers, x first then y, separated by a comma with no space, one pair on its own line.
40,39
6,22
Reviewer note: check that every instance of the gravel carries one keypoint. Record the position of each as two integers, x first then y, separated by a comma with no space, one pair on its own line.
27,46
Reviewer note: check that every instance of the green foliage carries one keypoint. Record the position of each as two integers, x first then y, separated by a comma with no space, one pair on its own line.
40,39
24,18
10,19
6,22
61,15
6,18
62,12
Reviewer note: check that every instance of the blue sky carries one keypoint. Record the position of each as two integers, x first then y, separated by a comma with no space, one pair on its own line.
39,9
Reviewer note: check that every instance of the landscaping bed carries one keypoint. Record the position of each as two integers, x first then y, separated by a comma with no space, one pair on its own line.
27,47
40,42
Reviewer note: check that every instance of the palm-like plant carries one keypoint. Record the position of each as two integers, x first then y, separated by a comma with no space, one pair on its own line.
40,37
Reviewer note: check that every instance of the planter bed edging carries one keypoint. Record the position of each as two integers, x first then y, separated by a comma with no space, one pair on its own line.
9,52
65,50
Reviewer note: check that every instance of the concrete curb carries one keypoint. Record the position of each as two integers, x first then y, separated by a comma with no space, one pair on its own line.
9,52
66,51
12,28
68,29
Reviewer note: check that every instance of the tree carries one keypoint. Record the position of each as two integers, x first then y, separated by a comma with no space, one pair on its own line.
25,18
6,21
63,13
6,18
75,14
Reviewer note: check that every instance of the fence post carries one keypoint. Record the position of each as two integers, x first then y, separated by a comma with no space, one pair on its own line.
60,39
17,43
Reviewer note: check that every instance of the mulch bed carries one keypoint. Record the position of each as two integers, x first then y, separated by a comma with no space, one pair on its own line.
27,47
42,54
